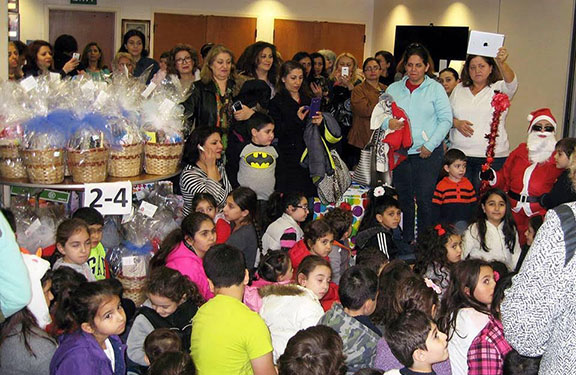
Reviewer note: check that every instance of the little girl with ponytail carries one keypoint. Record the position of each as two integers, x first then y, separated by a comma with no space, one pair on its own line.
94,348
240,211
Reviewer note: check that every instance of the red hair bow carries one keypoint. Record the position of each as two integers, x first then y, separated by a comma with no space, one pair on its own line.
441,231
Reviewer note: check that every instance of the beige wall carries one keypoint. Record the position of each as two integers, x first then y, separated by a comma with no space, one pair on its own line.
35,12
537,36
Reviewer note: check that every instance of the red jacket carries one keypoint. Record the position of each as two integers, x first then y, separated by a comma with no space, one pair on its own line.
297,254
540,179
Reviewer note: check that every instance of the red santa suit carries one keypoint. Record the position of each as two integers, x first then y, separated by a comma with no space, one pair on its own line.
526,180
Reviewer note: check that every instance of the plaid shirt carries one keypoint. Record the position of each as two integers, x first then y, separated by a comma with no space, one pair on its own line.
487,351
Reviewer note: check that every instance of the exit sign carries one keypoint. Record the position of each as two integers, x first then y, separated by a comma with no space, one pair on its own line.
86,2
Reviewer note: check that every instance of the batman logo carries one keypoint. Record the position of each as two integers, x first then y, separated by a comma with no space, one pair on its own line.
260,160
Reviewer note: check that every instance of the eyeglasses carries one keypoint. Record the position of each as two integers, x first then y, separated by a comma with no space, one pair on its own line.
547,128
305,208
182,61
372,69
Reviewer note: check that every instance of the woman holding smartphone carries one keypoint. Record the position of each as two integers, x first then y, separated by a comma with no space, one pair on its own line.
364,98
344,78
203,169
290,114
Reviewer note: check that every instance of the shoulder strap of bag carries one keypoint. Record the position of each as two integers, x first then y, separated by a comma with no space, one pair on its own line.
568,223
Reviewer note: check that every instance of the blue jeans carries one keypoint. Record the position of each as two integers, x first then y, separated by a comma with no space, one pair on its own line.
416,178
474,166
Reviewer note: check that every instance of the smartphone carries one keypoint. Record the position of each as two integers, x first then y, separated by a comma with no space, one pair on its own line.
237,106
345,71
76,55
314,107
201,148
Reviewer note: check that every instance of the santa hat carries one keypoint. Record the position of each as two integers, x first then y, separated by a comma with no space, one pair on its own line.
541,114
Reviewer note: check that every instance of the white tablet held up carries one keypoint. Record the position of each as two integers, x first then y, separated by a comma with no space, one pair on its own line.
484,44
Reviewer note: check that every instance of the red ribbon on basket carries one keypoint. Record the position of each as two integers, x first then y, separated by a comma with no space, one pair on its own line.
500,103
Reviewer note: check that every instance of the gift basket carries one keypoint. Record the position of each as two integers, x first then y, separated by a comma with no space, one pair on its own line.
43,147
125,149
87,150
126,142
12,114
162,123
129,263
162,154
11,163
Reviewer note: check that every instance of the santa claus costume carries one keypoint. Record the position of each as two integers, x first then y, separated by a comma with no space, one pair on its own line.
530,171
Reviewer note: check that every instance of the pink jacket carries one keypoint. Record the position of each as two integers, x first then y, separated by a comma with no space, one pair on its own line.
251,297
189,264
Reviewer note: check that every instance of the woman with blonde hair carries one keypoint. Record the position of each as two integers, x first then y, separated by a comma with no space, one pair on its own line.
344,78
211,98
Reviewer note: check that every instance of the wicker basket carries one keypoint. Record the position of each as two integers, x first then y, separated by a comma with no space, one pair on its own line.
127,162
88,165
11,164
44,166
133,288
162,158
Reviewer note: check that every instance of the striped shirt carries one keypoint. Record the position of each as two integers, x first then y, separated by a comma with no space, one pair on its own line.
453,202
194,180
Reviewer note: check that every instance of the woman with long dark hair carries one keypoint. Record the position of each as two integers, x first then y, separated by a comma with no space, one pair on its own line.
91,61
289,113
134,42
261,61
40,60
203,170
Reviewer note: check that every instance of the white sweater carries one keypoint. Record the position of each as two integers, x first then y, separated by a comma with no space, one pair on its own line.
494,241
478,110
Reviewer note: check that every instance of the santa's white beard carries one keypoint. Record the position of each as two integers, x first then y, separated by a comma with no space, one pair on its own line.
540,149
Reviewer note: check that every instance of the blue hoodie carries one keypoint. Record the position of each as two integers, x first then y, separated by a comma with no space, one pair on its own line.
428,109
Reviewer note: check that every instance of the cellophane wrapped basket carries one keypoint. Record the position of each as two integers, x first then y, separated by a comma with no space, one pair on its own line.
126,148
162,158
11,162
44,166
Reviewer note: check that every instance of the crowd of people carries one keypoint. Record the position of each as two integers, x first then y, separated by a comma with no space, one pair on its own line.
456,268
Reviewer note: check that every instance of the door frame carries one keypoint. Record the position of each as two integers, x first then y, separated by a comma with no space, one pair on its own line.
115,10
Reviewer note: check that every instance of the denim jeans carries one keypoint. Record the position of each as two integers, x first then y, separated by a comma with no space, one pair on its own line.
415,179
474,166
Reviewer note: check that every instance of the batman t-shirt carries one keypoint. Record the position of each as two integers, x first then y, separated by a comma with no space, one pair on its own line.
256,170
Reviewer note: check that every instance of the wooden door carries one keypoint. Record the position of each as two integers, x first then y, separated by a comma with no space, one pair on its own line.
74,22
291,36
343,37
171,29
236,33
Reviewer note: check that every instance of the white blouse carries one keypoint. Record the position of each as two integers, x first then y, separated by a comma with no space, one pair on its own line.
478,110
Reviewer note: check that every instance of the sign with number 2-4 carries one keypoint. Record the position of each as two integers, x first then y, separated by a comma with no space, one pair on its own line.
109,198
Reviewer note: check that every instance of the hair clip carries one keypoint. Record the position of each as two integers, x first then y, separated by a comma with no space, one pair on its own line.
496,276
441,231
379,191
430,284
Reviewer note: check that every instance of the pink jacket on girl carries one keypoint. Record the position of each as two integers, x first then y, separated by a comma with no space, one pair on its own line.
189,264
